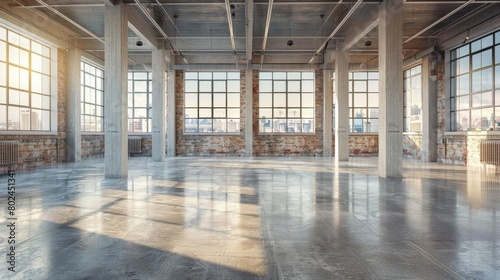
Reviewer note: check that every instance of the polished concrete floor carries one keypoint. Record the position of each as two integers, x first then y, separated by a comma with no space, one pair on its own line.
260,218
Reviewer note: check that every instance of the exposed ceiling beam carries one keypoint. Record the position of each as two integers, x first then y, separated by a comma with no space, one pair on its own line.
70,21
110,2
231,30
351,11
158,27
141,27
266,31
438,21
329,16
165,14
249,30
366,28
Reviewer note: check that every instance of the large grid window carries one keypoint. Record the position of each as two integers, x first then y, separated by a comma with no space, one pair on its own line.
412,94
363,101
139,101
286,102
212,102
475,85
92,96
25,76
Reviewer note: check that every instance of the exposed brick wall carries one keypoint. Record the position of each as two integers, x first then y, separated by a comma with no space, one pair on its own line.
363,145
92,146
441,112
39,150
289,145
412,146
196,145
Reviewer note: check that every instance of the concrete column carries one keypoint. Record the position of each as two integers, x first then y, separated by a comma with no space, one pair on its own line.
73,107
327,112
171,112
248,113
341,104
391,89
115,97
429,109
159,104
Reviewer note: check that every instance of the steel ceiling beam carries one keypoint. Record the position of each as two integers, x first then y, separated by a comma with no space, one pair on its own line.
351,11
266,31
45,5
438,21
231,30
249,30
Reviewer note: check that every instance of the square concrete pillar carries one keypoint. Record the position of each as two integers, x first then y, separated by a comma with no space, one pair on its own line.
159,66
429,109
171,112
73,107
327,112
341,103
248,113
391,89
115,97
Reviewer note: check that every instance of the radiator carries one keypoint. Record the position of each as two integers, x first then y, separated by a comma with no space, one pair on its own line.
134,145
490,152
9,152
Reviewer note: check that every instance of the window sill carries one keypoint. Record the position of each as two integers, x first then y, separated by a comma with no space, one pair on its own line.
212,134
28,133
362,133
287,133
472,133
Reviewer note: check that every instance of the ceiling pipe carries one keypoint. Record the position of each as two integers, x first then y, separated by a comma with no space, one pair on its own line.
266,31
165,13
231,30
328,17
351,11
438,21
249,31
158,27
70,20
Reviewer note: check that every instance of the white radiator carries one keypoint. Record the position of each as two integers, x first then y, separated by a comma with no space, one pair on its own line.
490,152
134,145
9,152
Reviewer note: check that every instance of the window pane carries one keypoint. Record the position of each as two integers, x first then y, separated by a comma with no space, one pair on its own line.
293,86
279,100
205,100
219,86
279,86
307,86
191,86
294,100
191,100
233,100
219,100
265,86
205,86
265,100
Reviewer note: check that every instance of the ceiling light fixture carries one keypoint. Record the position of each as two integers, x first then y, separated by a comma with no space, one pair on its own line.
290,42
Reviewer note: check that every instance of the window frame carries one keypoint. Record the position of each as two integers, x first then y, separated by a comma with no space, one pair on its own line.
279,78
46,70
132,108
408,77
463,95
211,114
84,100
354,78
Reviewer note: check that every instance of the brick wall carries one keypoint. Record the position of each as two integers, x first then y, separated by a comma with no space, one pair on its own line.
363,145
412,145
197,145
40,150
92,145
